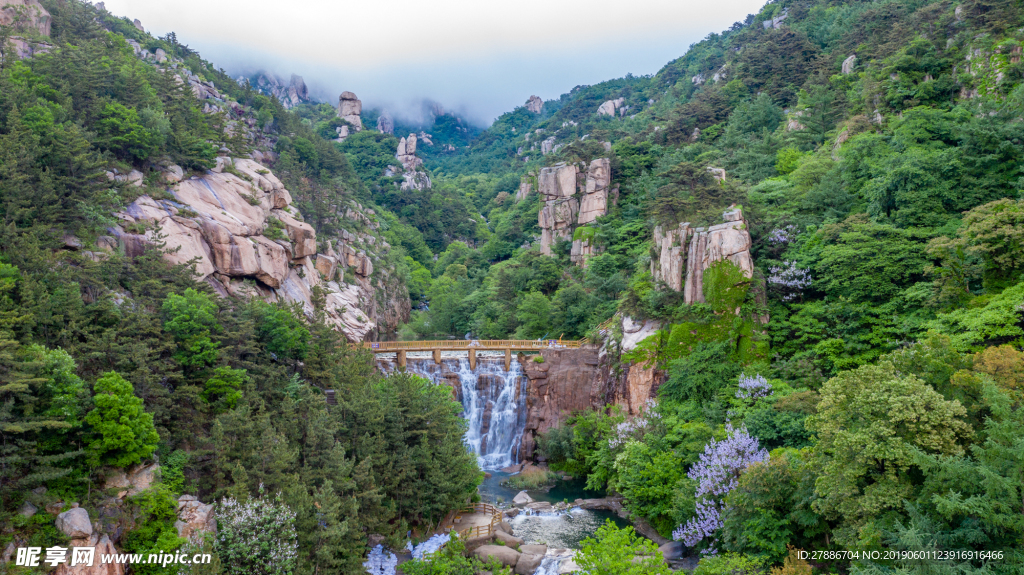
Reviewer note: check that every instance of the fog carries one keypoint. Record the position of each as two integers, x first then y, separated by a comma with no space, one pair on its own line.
479,58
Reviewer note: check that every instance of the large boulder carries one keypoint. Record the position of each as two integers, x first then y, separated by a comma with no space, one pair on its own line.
535,104
300,233
508,539
672,550
350,108
27,510
528,563
522,498
74,523
194,516
103,547
534,549
506,556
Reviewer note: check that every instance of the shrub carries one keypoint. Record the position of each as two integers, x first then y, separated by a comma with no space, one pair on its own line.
257,537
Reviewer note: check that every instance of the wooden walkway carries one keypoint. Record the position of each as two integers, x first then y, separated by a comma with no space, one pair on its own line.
471,346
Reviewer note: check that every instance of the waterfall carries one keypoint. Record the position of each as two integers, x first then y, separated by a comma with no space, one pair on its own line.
493,403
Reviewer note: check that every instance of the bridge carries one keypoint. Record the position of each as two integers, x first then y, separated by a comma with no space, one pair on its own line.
471,346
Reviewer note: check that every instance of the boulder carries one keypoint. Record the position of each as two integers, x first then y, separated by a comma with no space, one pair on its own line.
534,549
385,124
350,108
74,523
507,539
55,507
540,507
300,233
194,516
135,178
522,498
609,107
535,104
528,563
327,266
672,550
173,174
27,509
851,61
504,555
103,546
135,481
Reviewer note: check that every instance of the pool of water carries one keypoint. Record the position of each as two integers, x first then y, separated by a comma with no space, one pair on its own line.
556,530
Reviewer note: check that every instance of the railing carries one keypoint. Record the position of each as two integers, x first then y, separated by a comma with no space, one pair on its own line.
384,346
481,530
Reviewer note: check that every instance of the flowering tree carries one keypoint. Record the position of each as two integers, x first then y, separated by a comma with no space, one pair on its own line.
257,537
782,236
635,428
753,387
789,279
716,474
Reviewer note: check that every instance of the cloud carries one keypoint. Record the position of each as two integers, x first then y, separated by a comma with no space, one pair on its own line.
486,57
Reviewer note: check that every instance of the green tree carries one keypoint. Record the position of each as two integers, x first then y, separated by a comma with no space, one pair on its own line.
648,479
223,390
870,424
534,316
614,551
120,130
191,318
281,330
121,432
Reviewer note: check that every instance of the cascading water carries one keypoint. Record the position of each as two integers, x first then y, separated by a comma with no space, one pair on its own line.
493,402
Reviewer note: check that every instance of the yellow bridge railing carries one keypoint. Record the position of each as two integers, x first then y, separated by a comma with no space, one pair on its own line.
401,348
479,344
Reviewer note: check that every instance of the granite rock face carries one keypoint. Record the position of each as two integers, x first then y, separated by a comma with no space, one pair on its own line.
350,109
413,178
850,62
25,15
535,104
385,123
236,229
573,196
103,546
290,93
194,517
609,107
569,380
729,240
685,252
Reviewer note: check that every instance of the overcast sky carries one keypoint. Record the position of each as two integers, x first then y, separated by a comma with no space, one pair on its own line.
481,57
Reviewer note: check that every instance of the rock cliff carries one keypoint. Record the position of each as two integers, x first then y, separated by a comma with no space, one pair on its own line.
25,15
685,251
574,195
535,104
568,380
349,109
236,224
385,123
290,93
571,380
413,178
